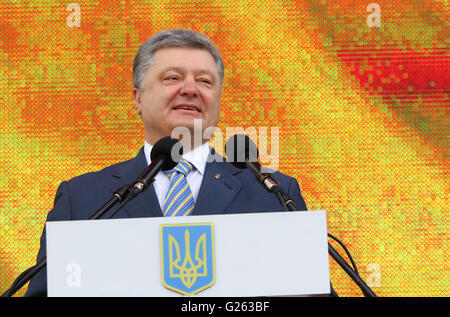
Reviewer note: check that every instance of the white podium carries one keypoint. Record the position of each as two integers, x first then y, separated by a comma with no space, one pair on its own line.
234,255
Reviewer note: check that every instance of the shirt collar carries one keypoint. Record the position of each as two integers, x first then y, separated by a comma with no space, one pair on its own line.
198,156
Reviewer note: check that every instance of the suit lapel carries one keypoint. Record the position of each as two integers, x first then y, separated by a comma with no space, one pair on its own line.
218,189
146,203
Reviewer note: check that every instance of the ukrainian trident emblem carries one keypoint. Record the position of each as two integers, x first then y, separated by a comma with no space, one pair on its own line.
187,256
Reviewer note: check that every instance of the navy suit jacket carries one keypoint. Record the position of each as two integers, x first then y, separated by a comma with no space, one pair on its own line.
234,191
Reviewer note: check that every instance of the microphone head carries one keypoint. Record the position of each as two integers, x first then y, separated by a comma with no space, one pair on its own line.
171,150
239,148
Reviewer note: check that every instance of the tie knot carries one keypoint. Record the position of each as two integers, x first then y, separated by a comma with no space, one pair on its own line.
184,167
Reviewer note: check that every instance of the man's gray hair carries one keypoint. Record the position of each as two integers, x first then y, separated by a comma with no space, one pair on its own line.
171,38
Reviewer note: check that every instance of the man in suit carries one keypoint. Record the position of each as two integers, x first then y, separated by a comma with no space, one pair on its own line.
177,78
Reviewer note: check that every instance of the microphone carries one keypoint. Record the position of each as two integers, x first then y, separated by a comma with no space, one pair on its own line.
243,153
165,155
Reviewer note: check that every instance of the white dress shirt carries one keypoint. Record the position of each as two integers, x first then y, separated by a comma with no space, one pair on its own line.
197,157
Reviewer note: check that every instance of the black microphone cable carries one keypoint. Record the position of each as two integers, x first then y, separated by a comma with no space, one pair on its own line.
346,251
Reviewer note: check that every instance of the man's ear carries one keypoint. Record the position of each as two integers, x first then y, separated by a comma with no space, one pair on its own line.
137,95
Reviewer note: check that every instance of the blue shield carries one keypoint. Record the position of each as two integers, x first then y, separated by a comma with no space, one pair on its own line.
187,256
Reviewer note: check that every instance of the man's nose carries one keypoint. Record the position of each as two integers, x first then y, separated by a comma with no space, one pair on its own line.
189,88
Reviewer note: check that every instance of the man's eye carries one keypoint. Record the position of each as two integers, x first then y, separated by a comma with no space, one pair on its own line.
171,78
206,81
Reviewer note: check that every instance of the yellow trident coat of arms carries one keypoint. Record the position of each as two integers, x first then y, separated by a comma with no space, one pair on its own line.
187,256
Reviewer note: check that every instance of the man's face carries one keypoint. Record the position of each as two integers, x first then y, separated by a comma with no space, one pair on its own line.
182,85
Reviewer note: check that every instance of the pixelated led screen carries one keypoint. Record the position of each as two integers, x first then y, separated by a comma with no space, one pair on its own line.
358,90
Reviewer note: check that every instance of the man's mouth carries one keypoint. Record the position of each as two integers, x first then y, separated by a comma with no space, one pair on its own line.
189,107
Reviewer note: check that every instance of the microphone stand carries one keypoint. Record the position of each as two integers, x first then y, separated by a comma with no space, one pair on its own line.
288,204
159,156
28,274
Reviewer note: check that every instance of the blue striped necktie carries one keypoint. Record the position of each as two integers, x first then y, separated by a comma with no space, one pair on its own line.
179,200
